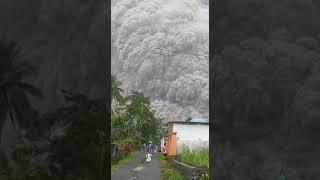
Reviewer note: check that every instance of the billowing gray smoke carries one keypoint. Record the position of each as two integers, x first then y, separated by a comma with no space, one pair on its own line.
160,47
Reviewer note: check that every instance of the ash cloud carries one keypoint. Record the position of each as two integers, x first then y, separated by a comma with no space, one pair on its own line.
161,47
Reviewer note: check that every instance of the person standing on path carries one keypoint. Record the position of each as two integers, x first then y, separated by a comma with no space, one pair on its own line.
151,148
163,148
148,157
144,147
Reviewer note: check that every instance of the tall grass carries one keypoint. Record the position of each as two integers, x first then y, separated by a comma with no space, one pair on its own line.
197,157
205,176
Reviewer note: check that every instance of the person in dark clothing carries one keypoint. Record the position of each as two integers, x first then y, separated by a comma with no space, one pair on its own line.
151,148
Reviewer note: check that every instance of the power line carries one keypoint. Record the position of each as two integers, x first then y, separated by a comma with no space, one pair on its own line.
163,49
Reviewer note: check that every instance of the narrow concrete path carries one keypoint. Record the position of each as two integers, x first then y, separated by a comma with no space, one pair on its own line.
138,169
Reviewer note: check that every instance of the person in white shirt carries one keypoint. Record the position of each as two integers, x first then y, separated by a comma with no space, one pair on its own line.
148,157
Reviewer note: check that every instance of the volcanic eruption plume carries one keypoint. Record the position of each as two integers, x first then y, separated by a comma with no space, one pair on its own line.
160,47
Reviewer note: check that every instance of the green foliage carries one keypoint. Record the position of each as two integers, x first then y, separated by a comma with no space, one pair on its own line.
205,176
175,175
135,121
116,89
197,157
167,171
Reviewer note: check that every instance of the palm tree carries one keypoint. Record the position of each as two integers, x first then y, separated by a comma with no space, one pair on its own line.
13,90
116,89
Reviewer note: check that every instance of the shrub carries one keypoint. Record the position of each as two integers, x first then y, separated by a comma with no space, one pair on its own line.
204,176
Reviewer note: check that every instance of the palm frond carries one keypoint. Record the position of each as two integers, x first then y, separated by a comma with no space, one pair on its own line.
13,91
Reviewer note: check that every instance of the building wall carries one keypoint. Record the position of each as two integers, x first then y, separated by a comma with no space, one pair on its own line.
191,136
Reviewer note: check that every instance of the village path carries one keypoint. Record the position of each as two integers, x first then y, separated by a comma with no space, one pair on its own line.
137,169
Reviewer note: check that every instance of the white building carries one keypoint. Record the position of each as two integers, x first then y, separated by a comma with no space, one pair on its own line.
188,135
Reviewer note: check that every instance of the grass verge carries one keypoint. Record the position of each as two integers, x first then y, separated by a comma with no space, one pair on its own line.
167,171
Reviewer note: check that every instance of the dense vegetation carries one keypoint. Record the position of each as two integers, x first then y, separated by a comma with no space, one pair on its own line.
133,121
197,157
71,143
205,176
266,88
